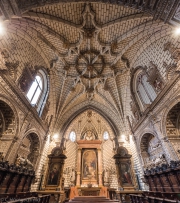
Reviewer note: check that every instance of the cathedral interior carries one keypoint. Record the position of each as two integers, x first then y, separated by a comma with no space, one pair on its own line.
90,100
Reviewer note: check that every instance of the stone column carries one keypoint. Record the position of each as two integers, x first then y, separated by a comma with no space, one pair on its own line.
78,179
166,145
100,167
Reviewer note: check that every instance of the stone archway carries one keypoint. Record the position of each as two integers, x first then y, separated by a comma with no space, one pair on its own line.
151,150
173,127
30,148
89,127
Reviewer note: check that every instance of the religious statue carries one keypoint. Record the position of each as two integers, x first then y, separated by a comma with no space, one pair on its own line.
106,175
21,161
73,177
4,55
89,135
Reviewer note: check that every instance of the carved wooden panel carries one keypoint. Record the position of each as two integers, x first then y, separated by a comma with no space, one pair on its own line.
174,182
165,182
157,181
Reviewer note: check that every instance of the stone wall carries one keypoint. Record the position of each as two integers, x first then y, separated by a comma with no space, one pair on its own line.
109,163
70,162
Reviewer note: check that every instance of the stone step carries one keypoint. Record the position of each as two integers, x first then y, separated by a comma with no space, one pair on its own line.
88,199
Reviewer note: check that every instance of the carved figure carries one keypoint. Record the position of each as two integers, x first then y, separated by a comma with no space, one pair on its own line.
106,175
134,110
21,161
4,55
73,177
27,77
154,77
89,135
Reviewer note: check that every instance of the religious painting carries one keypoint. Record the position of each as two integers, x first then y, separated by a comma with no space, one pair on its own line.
54,173
125,173
89,165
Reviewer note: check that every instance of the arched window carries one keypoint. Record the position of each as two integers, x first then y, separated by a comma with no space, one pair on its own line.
105,135
38,92
72,136
35,90
145,91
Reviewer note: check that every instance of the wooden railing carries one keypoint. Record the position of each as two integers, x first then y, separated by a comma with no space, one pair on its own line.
15,179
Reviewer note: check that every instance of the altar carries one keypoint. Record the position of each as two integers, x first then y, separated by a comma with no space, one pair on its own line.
84,191
89,164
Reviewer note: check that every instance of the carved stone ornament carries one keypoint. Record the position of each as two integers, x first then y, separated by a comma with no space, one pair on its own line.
156,161
27,77
94,65
175,52
135,112
4,55
170,70
154,77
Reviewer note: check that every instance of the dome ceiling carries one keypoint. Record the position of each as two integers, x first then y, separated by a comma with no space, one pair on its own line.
88,50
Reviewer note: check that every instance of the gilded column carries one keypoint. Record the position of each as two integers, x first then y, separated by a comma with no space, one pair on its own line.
78,180
100,167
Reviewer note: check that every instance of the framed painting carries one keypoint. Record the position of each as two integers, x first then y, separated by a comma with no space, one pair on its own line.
54,173
89,165
125,171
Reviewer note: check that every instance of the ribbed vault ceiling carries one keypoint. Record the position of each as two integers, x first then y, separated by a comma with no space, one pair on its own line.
88,49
